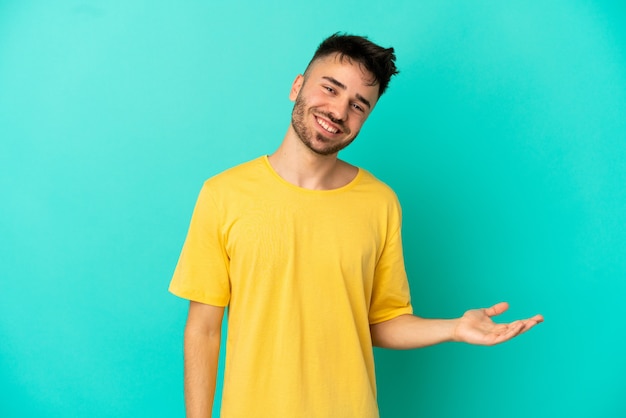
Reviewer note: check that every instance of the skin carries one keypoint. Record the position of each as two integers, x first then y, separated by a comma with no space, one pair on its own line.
307,156
336,94
201,349
324,96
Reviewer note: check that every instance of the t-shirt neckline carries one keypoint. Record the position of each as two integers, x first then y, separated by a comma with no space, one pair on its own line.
345,187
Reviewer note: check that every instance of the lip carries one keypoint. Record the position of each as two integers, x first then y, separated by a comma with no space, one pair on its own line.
326,122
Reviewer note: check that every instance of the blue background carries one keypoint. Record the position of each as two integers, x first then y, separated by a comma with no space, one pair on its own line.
504,137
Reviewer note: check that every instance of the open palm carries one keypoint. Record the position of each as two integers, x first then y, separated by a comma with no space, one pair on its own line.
477,327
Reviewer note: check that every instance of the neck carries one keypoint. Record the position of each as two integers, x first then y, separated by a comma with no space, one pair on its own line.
299,165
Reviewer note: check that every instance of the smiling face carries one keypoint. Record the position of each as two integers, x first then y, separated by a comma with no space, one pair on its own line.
332,101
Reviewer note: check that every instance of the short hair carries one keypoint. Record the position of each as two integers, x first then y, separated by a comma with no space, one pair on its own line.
377,60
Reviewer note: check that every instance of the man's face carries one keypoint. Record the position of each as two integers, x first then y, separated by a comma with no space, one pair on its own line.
332,101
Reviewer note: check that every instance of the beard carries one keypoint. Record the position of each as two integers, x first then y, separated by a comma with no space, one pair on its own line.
306,135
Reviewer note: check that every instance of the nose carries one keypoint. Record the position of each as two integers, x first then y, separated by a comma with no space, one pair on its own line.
338,113
333,118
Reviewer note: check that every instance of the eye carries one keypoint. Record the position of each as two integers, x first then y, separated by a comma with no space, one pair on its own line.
329,89
358,107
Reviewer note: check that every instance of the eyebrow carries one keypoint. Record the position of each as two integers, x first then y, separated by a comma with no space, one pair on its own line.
343,87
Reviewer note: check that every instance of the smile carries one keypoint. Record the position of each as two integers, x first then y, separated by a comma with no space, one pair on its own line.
326,126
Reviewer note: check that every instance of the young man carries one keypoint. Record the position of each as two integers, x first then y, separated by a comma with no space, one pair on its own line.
305,250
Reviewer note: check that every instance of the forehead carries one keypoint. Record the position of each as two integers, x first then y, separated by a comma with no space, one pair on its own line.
345,69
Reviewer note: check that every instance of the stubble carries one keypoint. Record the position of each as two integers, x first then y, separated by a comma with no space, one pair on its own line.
306,135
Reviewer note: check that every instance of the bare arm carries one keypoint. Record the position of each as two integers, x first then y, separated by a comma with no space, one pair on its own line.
202,345
474,327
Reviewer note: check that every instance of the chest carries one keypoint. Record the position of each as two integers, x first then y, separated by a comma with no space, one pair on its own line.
279,233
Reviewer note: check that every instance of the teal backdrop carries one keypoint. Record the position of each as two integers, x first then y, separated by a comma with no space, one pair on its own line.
504,136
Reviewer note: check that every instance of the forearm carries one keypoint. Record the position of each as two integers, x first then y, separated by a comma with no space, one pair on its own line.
201,359
409,331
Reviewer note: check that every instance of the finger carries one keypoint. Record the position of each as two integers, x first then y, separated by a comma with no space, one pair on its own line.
497,309
531,322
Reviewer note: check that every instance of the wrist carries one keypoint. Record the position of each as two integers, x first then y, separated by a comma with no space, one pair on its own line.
454,325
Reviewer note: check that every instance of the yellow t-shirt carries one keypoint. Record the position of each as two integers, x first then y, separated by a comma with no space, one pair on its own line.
304,273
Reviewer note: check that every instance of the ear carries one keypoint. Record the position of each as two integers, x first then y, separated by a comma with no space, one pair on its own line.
295,87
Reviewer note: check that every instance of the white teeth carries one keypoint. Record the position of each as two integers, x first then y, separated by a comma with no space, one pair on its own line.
326,126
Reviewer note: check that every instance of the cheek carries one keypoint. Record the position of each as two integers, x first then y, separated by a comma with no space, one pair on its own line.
357,123
316,99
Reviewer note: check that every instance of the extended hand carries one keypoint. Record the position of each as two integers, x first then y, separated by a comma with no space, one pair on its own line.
477,327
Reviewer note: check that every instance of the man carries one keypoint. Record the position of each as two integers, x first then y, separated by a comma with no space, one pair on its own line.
305,250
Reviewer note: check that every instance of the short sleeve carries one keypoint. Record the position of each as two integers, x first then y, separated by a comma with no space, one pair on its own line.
202,270
391,295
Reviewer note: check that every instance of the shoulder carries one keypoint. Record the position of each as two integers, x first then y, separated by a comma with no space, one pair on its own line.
245,170
379,199
370,182
243,177
244,182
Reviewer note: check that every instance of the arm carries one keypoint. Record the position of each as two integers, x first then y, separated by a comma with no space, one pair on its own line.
474,327
202,345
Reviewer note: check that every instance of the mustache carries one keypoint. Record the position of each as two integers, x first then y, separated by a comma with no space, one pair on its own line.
338,122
